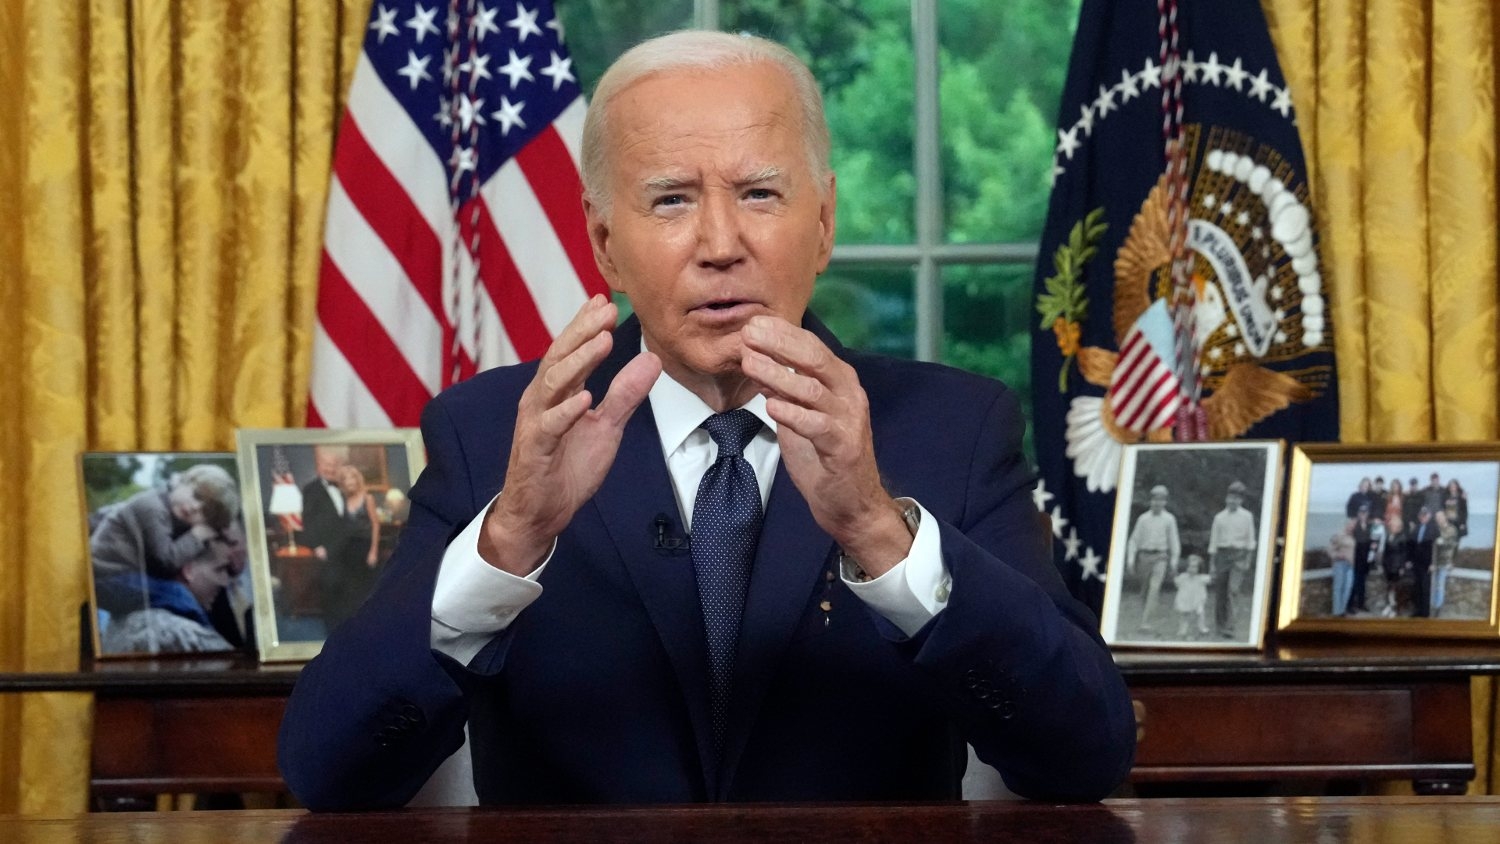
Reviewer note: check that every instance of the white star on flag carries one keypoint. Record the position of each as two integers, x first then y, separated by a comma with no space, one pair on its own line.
1070,545
1260,86
468,112
1235,75
421,22
524,23
1212,69
517,69
384,24
479,66
1040,496
1089,562
1058,522
1067,142
415,69
509,115
559,71
484,24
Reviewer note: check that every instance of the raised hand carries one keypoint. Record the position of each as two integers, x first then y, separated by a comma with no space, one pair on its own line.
562,447
823,419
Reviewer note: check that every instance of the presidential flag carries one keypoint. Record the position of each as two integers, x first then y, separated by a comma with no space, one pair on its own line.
455,240
1178,288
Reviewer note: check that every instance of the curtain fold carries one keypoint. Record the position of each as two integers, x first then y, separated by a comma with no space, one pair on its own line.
164,167
1396,100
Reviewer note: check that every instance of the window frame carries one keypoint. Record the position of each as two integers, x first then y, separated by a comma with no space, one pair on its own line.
930,251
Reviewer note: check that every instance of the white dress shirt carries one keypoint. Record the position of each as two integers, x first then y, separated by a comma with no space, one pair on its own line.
473,600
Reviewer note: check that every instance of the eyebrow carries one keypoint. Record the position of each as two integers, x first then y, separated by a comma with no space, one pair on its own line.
670,183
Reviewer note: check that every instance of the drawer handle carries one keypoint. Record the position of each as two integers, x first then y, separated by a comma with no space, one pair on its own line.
1140,719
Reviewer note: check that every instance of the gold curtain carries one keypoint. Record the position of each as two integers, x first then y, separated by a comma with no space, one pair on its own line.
1396,103
163,170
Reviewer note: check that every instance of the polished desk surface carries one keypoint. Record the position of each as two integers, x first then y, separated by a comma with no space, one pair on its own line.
1354,820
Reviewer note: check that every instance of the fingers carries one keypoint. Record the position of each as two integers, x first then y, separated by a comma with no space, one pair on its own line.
581,346
631,386
788,345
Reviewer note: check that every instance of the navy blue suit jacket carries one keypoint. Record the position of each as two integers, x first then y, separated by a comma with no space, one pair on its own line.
598,690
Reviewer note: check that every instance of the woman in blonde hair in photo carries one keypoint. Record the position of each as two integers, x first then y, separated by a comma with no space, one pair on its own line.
351,569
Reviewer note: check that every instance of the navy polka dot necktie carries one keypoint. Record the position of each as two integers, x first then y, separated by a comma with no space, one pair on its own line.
726,529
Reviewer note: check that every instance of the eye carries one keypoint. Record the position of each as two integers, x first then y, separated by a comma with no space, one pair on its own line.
669,201
760,193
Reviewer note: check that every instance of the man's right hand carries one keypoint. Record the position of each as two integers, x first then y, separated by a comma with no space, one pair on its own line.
562,446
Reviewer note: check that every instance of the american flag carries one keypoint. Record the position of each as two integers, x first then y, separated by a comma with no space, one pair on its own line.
455,240
1146,391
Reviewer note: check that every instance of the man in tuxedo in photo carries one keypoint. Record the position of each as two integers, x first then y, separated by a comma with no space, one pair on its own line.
324,528
711,554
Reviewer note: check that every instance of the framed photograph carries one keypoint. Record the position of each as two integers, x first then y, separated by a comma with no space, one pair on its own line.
1190,554
1392,539
167,553
324,509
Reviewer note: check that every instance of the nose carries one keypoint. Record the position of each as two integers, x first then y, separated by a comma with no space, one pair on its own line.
721,243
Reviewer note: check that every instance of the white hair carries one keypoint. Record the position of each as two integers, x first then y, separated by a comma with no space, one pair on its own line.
698,49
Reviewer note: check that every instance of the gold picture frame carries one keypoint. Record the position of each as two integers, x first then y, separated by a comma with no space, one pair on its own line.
167,575
1429,576
315,547
1189,568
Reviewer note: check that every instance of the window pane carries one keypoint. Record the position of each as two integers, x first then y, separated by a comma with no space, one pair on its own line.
987,321
861,54
869,308
598,31
1003,67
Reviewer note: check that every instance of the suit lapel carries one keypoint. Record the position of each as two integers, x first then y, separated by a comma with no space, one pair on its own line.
635,492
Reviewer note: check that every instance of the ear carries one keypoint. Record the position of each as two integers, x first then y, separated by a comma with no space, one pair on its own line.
598,226
827,218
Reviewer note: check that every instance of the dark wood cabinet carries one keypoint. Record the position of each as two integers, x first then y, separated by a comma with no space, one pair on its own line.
1340,711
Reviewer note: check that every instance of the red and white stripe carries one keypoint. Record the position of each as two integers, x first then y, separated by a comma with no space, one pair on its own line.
401,312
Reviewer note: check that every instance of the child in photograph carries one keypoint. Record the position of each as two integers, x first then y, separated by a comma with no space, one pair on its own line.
1192,597
1341,549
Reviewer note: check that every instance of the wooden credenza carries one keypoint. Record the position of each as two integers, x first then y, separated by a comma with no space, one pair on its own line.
1362,711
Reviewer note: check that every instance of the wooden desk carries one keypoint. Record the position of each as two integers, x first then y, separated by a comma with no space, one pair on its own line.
1265,821
1361,712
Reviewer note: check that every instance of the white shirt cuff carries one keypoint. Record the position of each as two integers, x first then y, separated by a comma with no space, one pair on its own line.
917,588
473,600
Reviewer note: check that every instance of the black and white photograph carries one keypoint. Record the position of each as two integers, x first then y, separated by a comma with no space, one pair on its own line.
325,509
167,553
1392,539
1191,549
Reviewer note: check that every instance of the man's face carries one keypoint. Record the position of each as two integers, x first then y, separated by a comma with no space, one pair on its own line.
1232,501
1434,482
1157,503
207,576
330,464
716,216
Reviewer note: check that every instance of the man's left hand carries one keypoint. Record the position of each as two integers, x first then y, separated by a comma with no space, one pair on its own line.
823,419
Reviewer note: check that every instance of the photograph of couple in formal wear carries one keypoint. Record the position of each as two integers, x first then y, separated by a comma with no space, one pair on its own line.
167,554
1390,540
330,511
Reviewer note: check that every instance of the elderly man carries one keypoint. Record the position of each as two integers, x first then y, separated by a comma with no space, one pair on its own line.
664,563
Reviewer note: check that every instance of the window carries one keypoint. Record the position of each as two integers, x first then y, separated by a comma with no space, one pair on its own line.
943,115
